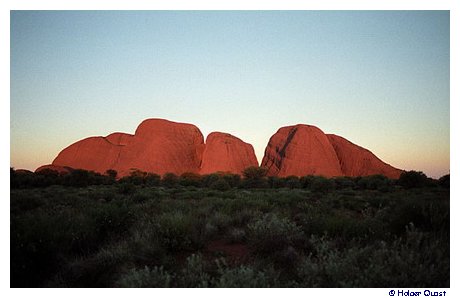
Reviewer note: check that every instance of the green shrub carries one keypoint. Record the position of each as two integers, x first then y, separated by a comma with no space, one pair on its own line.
169,180
415,261
413,179
98,270
254,177
344,182
126,188
207,180
254,172
178,231
444,181
145,245
240,277
152,179
374,182
156,277
233,180
190,179
94,236
220,184
112,219
425,215
78,178
111,173
270,233
320,184
220,220
23,202
275,182
236,235
194,273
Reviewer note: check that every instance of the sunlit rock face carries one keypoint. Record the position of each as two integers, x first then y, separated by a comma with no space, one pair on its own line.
226,153
305,150
159,146
300,150
358,161
92,154
162,146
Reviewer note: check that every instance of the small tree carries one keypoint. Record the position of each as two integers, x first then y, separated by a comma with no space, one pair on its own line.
374,182
207,180
444,181
254,172
232,179
320,184
170,180
111,173
152,179
78,178
292,182
220,184
254,177
190,179
413,179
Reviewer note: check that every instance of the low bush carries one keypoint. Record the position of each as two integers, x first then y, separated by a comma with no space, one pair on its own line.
413,179
159,236
126,188
320,184
179,231
374,182
444,181
220,184
156,277
190,179
406,262
271,233
170,180
240,277
194,274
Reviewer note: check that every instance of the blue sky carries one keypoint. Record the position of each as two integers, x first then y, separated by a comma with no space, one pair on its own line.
377,78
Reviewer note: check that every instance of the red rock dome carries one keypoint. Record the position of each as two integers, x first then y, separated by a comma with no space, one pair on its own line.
159,146
226,153
305,150
300,150
358,161
92,154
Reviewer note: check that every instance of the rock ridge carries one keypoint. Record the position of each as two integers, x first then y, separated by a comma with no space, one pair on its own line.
162,146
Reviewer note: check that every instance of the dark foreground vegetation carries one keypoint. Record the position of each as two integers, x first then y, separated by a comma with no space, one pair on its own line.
88,230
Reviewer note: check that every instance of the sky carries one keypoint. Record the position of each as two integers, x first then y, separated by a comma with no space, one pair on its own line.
378,78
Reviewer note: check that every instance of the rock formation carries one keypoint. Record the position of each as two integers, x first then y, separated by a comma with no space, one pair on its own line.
226,153
358,161
305,150
158,146
300,150
92,154
161,146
